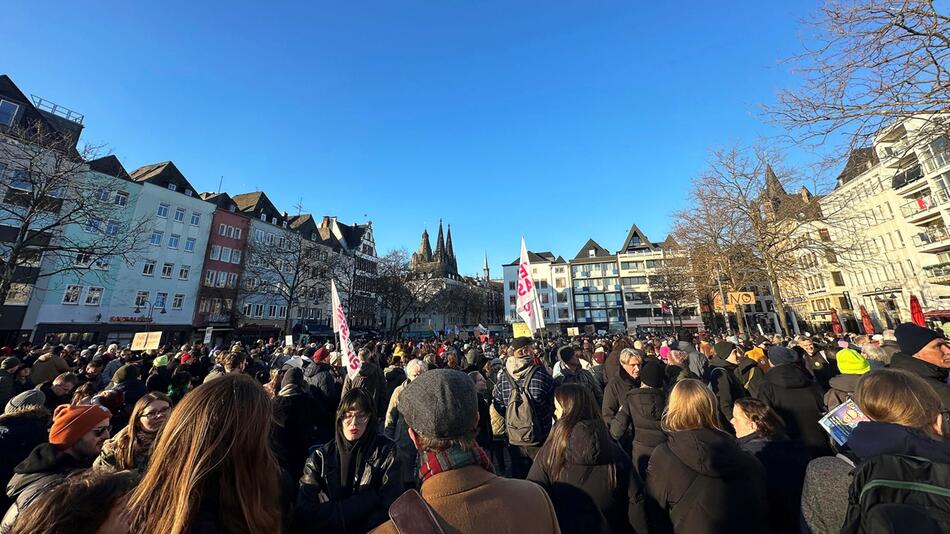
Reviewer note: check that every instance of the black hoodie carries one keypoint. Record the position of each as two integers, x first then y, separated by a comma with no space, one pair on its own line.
700,482
583,498
43,469
793,394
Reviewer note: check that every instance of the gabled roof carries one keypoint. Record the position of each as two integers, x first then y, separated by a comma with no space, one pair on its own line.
537,257
162,174
628,242
110,166
221,200
859,161
599,251
29,115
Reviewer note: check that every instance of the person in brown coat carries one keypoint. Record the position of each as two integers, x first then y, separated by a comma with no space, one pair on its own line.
48,366
458,485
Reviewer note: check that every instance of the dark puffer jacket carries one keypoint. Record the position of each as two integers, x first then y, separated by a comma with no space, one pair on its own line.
582,496
793,394
43,469
640,415
701,482
20,433
614,395
785,462
377,483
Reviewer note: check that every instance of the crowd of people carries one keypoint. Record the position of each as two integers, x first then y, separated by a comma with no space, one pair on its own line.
607,434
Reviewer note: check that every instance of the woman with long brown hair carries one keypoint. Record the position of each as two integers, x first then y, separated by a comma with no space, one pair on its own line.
592,483
695,479
212,469
131,447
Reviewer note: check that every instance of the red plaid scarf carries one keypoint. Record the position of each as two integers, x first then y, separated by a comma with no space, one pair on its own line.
435,462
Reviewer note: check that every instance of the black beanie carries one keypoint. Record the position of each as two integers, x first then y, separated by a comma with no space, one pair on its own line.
652,373
724,349
911,338
565,353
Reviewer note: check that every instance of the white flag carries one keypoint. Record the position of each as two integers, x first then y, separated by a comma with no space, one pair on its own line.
351,361
527,296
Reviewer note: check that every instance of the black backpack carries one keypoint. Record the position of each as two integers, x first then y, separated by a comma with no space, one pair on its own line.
894,493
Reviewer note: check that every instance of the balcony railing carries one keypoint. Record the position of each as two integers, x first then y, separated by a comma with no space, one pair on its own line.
932,236
938,271
924,203
907,177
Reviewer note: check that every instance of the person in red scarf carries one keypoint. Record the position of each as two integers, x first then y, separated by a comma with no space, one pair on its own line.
458,483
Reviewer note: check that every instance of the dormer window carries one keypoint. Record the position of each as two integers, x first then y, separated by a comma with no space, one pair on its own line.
172,187
273,220
635,241
264,217
8,111
590,253
187,192
231,208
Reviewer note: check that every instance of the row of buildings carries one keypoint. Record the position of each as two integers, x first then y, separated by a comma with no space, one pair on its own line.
232,264
888,213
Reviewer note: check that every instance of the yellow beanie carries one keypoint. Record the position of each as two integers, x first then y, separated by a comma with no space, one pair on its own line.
850,362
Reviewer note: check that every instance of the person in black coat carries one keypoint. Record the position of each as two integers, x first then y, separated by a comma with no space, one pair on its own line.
700,481
721,377
641,413
371,379
325,387
627,378
593,485
819,362
761,432
23,425
349,483
295,415
797,399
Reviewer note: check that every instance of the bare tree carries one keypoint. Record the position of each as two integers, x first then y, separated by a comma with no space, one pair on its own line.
755,230
673,282
402,292
871,64
56,212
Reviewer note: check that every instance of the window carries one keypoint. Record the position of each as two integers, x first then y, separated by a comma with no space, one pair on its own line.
167,270
282,312
222,279
121,198
195,218
156,239
173,240
163,210
172,187
226,255
562,297
237,233
160,299
102,195
188,192
183,272
209,278
178,301
149,268
180,214
511,286
560,283
230,231
222,229
93,296
272,311
141,298
215,252
247,310
93,225
83,259
264,217
190,244
112,227
232,279
71,296
258,310
236,256
8,112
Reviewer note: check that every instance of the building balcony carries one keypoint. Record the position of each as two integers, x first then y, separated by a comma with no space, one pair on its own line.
925,207
938,274
934,239
909,180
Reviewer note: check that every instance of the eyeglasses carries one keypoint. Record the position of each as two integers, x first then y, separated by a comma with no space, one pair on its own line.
101,431
360,418
157,413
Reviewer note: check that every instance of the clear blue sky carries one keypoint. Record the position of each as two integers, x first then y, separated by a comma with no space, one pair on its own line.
558,121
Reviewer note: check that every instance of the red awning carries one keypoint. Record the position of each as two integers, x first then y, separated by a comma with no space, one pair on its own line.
937,313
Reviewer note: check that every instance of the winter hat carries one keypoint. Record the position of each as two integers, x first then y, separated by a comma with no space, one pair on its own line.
10,363
6,351
652,373
724,349
30,397
71,423
160,361
186,357
293,376
125,373
565,353
779,355
521,342
911,338
850,362
112,399
441,403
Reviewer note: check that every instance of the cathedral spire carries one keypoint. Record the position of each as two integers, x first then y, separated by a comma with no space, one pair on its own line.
485,268
773,187
448,243
440,243
425,249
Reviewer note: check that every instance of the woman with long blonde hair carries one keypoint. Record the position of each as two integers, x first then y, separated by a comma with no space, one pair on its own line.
131,447
212,468
695,479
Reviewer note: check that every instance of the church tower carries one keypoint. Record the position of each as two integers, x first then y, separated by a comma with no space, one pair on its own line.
485,268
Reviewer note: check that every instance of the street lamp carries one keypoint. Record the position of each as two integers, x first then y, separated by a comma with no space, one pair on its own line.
148,317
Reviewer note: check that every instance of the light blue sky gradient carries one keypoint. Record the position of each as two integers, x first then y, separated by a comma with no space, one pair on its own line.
558,121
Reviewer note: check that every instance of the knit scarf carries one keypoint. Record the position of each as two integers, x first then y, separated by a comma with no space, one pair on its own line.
435,462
